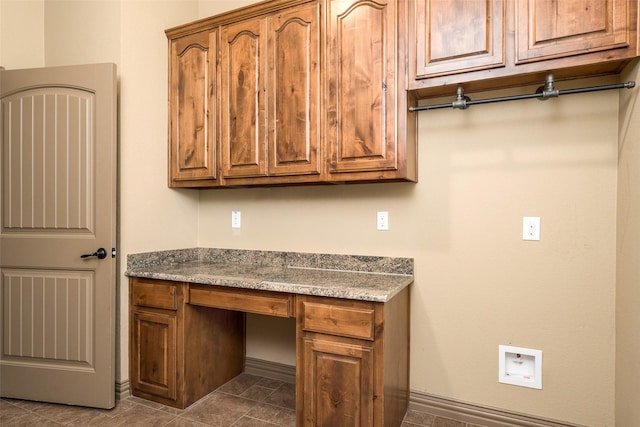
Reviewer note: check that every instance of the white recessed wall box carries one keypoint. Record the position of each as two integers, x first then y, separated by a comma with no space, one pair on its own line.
520,366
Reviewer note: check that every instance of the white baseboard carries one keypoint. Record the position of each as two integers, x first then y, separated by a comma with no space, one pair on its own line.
425,402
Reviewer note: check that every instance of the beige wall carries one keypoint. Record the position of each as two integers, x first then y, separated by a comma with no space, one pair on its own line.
477,283
628,232
23,21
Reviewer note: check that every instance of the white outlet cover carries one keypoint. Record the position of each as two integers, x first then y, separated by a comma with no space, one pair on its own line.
383,220
531,228
235,219
520,366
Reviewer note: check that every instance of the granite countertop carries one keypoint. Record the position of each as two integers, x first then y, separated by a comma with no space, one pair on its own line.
339,276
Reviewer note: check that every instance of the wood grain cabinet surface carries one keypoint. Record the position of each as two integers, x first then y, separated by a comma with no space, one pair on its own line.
165,365
368,133
352,361
352,356
457,36
270,78
192,109
490,44
289,92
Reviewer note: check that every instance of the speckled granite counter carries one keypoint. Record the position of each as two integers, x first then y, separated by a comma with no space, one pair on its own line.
366,278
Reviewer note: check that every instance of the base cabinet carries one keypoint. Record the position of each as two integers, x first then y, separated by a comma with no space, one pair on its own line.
353,362
352,356
168,339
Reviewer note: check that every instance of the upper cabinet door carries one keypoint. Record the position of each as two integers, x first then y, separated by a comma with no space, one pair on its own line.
243,106
192,121
456,36
551,28
294,91
361,120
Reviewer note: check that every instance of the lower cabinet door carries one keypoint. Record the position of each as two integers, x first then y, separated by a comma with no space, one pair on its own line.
153,355
338,378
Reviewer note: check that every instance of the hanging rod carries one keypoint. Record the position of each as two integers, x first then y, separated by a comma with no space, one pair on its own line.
543,93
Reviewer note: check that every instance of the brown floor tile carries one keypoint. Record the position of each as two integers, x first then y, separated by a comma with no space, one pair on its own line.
448,422
419,418
256,392
239,384
284,396
219,409
274,414
185,422
245,401
251,422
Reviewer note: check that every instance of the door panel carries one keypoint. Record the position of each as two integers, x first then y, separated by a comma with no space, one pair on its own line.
361,76
193,111
549,29
339,379
48,315
58,192
294,89
243,107
457,36
48,178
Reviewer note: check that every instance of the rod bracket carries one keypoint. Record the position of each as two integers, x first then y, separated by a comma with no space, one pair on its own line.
548,90
461,100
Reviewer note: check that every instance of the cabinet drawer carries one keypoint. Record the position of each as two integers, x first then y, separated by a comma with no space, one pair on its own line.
154,294
355,322
269,303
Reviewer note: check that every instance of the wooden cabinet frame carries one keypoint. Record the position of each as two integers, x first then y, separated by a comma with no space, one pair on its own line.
352,357
301,95
571,39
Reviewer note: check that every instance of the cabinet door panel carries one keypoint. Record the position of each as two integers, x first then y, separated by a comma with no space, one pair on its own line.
455,36
294,90
339,379
154,356
192,108
243,106
361,93
549,28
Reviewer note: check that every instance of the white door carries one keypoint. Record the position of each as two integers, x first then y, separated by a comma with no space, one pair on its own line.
58,195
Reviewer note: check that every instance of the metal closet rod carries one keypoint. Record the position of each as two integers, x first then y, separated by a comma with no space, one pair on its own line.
543,93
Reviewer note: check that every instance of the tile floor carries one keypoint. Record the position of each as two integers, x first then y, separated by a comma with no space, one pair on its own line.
245,401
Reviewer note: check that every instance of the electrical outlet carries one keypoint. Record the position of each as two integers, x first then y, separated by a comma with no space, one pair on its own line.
383,220
531,228
235,219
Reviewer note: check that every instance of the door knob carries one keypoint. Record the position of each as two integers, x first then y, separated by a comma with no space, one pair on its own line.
100,253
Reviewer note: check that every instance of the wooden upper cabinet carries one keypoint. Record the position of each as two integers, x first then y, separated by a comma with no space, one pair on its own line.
243,107
270,75
192,106
361,79
455,36
491,44
551,28
294,95
289,92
